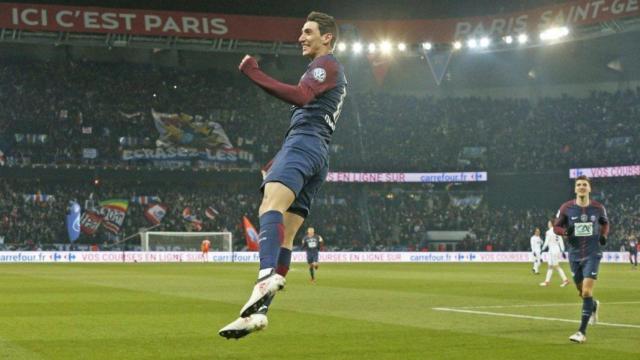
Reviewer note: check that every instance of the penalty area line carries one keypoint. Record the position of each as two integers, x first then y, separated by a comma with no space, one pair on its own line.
517,316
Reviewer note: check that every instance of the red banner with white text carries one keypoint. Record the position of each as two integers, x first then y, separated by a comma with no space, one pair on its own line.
261,28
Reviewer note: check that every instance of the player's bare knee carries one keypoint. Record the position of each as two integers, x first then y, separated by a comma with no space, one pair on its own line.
287,243
269,204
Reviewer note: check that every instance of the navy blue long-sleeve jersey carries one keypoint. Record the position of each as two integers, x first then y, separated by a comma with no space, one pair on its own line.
589,222
326,79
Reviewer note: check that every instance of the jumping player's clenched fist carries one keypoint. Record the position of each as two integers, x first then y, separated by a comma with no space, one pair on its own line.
247,62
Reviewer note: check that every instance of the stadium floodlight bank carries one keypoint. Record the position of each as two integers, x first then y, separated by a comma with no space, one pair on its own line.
184,241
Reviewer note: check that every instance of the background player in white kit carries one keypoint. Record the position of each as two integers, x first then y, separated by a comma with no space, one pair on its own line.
556,250
536,250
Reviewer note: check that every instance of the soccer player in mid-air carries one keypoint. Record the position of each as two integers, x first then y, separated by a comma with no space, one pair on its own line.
536,251
312,243
585,224
554,243
299,168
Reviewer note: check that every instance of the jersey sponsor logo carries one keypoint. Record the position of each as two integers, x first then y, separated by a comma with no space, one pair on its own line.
574,218
319,74
594,273
583,229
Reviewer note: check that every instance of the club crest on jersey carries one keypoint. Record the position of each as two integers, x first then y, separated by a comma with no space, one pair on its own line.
593,218
319,74
584,217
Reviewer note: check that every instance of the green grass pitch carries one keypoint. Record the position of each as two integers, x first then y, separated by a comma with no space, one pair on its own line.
355,311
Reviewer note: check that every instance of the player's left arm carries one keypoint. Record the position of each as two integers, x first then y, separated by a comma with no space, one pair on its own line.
603,220
319,79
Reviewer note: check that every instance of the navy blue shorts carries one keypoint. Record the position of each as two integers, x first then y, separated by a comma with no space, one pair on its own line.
302,164
312,257
586,268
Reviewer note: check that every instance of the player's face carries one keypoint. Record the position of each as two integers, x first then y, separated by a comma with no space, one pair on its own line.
537,232
313,44
582,188
311,231
550,224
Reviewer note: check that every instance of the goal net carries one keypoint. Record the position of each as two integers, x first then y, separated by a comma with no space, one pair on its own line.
184,241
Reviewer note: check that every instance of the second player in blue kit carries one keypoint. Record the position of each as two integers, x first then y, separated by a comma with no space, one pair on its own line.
311,243
586,225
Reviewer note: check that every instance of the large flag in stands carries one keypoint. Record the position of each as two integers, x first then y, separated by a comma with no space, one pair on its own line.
145,199
73,221
192,221
250,234
113,212
155,213
211,212
90,222
38,197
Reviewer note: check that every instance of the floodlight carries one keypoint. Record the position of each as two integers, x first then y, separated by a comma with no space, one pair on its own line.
357,48
472,43
385,47
554,33
427,46
523,38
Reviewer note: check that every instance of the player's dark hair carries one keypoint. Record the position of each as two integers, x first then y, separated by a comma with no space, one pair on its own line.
326,24
585,178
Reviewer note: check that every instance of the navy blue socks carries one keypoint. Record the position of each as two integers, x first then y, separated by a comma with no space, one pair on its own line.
270,237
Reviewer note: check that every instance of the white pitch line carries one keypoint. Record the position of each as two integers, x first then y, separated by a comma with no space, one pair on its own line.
538,305
531,317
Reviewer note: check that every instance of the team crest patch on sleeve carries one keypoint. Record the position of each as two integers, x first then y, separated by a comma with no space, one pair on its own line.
319,74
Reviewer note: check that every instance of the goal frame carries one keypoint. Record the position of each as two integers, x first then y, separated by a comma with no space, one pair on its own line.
228,237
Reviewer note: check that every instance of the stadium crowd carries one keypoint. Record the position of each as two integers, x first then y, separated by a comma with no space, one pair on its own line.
53,111
349,217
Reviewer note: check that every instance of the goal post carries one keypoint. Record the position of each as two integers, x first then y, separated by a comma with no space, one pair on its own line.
184,241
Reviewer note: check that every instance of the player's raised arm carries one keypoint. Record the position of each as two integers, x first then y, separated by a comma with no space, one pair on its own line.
298,95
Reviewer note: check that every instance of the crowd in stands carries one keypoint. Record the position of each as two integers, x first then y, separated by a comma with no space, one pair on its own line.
349,217
52,111
67,107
